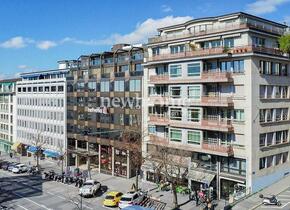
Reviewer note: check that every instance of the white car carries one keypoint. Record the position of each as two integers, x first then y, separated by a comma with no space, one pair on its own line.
90,188
130,199
20,168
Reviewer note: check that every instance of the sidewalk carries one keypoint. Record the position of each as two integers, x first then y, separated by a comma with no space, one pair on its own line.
254,201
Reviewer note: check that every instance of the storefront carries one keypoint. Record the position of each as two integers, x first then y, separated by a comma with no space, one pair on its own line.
5,147
120,162
106,159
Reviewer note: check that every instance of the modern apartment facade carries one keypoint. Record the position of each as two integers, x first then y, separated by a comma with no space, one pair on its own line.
41,113
103,96
218,95
7,114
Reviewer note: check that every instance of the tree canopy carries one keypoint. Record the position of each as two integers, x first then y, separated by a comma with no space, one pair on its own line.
284,42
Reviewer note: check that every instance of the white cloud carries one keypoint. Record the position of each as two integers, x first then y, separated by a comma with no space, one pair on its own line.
14,42
166,8
45,45
264,6
140,34
23,67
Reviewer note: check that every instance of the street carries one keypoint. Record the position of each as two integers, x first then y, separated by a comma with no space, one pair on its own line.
32,193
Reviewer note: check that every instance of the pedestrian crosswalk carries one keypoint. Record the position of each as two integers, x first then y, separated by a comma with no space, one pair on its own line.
153,204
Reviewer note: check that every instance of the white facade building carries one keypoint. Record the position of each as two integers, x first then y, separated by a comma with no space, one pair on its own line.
41,112
7,114
218,92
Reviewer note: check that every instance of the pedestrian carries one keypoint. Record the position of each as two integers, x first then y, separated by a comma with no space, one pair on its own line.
196,198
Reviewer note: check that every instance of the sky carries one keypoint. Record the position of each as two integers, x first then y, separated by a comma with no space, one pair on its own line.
35,34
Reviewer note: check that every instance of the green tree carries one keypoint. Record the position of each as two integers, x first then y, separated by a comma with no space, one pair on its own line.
284,42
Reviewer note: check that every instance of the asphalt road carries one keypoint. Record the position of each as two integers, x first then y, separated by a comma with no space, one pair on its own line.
284,197
25,192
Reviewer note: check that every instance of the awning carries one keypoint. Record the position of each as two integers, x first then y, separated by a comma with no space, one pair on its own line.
51,153
32,149
15,146
199,176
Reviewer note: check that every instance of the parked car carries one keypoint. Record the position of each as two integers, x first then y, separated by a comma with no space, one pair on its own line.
131,198
90,188
20,168
12,165
4,165
112,199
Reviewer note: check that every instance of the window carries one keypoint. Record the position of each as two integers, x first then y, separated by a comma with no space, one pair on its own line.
175,92
284,157
193,137
124,68
176,49
105,86
262,139
60,88
229,42
239,115
151,129
92,86
257,41
46,89
119,86
80,86
53,88
193,115
156,51
138,67
216,43
35,89
193,69
175,71
269,162
176,114
175,135
238,66
135,85
193,92
262,163
226,66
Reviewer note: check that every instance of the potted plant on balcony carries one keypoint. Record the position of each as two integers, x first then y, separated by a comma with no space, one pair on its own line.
226,49
284,44
192,46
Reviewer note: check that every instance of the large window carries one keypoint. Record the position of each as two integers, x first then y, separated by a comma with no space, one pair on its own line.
177,49
119,85
193,92
175,135
175,71
193,69
175,92
92,86
193,115
238,66
135,85
193,137
176,114
239,115
229,42
156,51
105,86
257,41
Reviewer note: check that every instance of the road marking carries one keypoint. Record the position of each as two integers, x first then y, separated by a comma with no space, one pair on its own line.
275,207
40,205
287,196
22,207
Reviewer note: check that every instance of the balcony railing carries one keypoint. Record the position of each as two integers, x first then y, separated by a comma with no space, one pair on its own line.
234,26
119,74
136,73
214,145
205,77
216,101
216,51
160,119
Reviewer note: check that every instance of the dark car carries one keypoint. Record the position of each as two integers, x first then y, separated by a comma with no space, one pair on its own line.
5,165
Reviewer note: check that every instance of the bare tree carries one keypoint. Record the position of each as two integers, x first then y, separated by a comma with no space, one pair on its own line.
132,142
169,164
38,142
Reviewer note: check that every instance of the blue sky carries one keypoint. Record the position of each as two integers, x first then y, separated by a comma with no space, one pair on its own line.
35,34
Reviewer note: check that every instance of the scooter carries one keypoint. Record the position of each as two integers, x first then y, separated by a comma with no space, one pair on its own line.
271,200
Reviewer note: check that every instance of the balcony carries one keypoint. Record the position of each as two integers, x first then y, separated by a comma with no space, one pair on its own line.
234,26
212,123
119,74
136,73
160,119
206,77
214,145
215,101
207,146
216,51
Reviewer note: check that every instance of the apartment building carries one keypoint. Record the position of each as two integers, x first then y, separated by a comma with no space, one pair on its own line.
7,114
103,102
41,113
218,95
